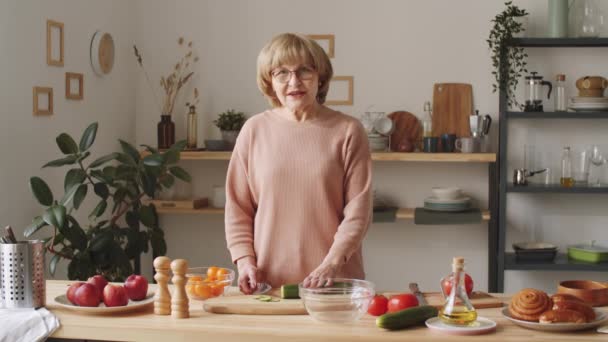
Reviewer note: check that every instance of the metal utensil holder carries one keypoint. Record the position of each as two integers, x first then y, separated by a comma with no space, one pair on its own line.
22,283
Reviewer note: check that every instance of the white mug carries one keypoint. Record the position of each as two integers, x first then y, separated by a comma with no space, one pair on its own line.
465,144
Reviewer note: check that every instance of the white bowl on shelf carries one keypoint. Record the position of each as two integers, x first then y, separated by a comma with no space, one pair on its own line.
446,193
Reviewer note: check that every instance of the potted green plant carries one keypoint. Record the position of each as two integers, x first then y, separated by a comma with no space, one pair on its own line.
230,123
108,246
509,62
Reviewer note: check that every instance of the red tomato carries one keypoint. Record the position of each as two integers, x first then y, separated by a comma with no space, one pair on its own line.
378,305
401,301
447,284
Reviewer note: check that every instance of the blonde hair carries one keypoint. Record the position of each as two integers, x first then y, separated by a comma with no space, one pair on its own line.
291,48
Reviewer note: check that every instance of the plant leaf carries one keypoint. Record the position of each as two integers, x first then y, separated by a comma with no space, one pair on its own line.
67,197
125,159
73,177
101,189
157,240
66,144
154,160
171,156
88,137
99,209
41,191
150,149
55,216
69,160
148,184
104,159
79,196
180,173
130,150
37,224
101,241
147,216
53,264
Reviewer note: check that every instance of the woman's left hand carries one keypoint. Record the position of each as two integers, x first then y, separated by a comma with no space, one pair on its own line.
321,276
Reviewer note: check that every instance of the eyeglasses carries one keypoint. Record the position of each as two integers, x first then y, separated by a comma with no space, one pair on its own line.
302,73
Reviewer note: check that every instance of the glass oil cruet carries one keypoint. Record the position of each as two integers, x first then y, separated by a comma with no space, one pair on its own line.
457,309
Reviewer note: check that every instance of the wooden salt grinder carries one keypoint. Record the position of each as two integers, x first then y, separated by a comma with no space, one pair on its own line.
162,298
179,301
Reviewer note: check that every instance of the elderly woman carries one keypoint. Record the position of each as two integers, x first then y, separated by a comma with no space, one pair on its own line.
298,200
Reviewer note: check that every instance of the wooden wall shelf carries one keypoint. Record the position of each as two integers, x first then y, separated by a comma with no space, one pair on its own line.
402,213
376,156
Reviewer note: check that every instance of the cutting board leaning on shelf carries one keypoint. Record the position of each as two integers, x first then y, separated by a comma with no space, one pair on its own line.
452,106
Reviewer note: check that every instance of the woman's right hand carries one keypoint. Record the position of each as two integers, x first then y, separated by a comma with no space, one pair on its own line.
249,275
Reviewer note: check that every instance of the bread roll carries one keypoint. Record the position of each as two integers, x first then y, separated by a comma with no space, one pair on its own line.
581,307
558,297
529,304
562,316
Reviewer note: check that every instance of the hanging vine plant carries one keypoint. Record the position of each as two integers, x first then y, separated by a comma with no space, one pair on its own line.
509,62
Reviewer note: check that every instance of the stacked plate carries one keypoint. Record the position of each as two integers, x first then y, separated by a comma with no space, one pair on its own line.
584,103
458,204
377,142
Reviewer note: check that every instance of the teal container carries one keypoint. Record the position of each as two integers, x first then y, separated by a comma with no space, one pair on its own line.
558,19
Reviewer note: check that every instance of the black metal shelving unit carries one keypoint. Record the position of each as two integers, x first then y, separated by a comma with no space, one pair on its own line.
507,261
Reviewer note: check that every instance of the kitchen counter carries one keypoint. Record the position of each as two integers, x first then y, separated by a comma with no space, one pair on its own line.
145,326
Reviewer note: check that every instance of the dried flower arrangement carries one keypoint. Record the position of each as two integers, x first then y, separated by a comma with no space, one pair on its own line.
194,100
179,76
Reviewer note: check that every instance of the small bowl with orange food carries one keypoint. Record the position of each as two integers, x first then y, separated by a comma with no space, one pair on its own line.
207,282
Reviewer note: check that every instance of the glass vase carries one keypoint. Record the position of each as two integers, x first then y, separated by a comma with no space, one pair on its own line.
166,132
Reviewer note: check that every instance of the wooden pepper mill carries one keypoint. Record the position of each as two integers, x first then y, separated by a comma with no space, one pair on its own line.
179,301
162,298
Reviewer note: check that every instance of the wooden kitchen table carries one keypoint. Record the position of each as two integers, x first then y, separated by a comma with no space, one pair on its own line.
203,326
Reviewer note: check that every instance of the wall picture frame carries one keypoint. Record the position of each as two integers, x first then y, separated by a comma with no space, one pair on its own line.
327,42
54,29
38,93
341,91
70,78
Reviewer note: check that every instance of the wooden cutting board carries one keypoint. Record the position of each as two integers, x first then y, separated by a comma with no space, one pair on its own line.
452,106
480,300
248,305
407,132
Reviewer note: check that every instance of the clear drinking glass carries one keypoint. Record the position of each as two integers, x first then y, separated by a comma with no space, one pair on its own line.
580,166
597,159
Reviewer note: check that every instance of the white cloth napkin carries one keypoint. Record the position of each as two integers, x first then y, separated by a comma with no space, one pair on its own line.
25,325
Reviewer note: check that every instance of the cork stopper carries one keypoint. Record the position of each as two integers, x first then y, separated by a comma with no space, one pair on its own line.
457,264
560,77
179,266
162,262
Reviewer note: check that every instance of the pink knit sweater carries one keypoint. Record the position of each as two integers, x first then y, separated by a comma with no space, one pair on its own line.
298,192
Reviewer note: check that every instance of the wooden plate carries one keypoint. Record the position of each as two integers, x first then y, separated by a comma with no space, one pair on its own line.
407,132
63,302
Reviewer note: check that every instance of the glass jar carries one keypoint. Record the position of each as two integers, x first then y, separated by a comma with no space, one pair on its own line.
166,132
560,93
191,127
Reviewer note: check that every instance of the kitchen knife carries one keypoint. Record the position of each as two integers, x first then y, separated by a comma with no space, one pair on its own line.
9,235
418,294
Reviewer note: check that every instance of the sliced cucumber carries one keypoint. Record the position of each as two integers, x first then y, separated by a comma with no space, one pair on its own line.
290,291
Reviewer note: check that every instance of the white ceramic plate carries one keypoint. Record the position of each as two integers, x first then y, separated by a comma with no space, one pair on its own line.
481,326
102,309
435,200
599,320
580,99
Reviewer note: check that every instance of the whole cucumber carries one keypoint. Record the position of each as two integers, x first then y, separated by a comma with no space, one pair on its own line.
406,318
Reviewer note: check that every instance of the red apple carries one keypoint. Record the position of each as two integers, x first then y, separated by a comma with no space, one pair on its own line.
100,282
87,295
71,292
115,295
136,286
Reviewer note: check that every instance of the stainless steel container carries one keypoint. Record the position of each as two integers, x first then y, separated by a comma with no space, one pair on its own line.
22,283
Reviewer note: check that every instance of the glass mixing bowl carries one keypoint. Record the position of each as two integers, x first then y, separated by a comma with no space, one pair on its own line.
345,301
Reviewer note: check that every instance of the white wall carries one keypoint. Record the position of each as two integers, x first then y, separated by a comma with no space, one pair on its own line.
28,141
396,51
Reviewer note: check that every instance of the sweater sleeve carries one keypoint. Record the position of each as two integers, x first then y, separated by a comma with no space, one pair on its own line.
240,206
357,197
